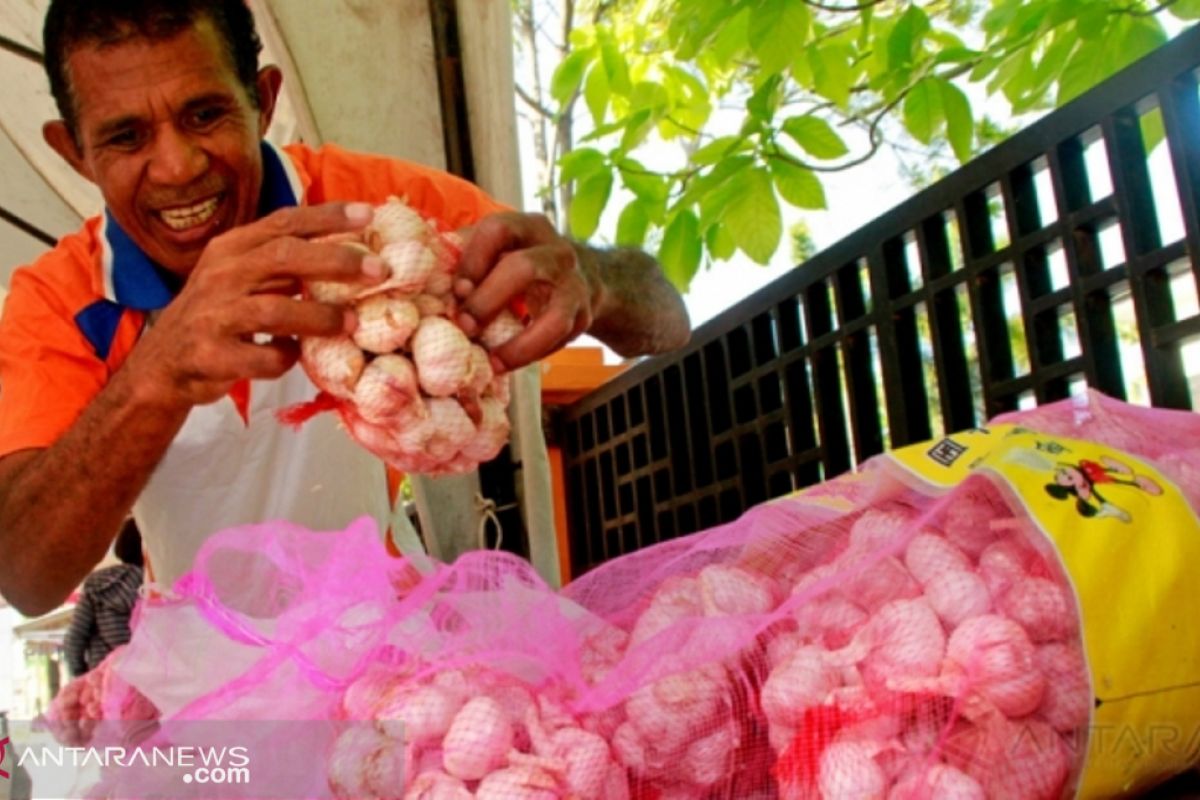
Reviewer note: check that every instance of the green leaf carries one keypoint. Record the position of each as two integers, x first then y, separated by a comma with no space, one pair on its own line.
591,195
1021,76
986,66
816,136
998,18
689,101
679,254
615,66
923,114
643,183
730,40
714,205
1006,70
905,40
754,219
632,225
718,149
875,52
1153,132
1185,9
637,127
581,163
569,76
798,186
762,103
832,74
648,95
864,35
956,55
720,244
1088,65
694,24
802,70
1029,17
960,122
1054,58
715,178
596,94
777,29
1141,36
1063,12
1092,21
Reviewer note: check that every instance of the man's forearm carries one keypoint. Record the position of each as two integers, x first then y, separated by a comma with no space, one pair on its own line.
61,507
638,311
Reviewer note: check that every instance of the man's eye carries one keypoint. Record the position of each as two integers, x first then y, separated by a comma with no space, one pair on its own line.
207,116
123,139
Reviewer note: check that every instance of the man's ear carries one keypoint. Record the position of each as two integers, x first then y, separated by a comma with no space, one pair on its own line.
58,136
270,78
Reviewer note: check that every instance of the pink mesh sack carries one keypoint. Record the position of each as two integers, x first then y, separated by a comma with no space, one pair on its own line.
97,695
954,620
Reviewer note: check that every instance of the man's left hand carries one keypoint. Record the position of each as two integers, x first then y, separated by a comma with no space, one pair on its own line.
514,255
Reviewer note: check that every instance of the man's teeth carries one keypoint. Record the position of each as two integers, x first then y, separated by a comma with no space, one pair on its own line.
181,219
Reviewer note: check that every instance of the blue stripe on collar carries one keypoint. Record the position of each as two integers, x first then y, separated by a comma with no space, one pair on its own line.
137,282
281,187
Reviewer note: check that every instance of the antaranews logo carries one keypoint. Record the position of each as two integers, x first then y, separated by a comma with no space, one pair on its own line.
194,763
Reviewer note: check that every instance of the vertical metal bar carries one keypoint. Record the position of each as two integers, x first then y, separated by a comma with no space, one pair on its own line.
1151,289
859,366
946,330
831,416
1044,339
1093,312
1181,119
987,303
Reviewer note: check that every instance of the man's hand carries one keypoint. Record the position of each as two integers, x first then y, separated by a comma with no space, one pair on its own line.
619,296
245,284
509,256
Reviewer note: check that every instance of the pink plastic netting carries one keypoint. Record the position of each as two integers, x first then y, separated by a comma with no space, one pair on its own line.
861,639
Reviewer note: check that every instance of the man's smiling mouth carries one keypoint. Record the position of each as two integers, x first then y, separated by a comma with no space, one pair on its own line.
185,217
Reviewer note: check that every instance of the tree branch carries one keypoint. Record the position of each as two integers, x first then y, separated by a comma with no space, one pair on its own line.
843,9
1134,11
533,104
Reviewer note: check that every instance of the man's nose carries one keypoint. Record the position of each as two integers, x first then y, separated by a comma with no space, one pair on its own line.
176,158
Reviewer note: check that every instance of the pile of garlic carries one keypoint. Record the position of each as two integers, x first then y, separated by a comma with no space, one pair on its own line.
409,385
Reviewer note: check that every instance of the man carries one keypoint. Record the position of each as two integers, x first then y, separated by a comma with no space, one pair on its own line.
120,347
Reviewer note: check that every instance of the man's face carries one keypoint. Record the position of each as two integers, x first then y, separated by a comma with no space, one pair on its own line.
170,136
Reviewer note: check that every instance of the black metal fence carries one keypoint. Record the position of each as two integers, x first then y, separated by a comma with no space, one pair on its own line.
1064,258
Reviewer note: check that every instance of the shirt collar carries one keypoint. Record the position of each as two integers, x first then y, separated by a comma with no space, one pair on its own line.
133,280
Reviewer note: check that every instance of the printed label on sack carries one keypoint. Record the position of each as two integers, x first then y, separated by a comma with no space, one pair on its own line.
1131,544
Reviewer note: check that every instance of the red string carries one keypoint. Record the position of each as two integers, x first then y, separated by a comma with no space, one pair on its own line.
296,415
239,393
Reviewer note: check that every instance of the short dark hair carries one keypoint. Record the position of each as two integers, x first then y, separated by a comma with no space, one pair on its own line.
128,545
71,23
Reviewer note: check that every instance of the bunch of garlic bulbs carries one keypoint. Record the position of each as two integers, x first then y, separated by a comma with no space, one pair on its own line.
409,384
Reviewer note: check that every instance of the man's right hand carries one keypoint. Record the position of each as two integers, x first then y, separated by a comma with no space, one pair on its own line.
246,283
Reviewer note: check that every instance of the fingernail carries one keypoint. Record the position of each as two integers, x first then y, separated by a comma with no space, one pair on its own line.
468,324
359,213
463,287
350,321
373,266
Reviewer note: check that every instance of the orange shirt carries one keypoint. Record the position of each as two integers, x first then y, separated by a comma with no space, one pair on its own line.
72,317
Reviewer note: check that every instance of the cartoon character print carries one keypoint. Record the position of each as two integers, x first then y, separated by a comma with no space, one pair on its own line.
1081,480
